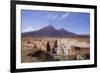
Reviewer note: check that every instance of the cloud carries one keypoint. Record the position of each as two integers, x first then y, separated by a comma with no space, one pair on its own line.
52,17
48,16
58,17
55,17
29,29
64,16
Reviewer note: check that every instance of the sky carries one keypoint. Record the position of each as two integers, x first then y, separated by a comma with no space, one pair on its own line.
32,20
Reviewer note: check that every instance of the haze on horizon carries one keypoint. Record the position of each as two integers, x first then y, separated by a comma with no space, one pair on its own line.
32,20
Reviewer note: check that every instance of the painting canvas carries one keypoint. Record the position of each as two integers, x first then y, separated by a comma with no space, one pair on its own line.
54,36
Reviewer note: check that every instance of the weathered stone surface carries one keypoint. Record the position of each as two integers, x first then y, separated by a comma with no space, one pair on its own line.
63,48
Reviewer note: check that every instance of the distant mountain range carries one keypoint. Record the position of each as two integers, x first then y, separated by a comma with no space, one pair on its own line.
50,31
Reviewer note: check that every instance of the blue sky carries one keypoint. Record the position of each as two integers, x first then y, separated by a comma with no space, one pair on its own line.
32,20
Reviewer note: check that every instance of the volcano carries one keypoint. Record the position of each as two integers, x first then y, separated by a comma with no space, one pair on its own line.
49,31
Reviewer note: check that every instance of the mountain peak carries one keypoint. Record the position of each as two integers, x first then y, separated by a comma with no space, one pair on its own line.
50,31
48,28
62,29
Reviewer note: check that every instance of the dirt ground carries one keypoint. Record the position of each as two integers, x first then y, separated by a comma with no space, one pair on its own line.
35,49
